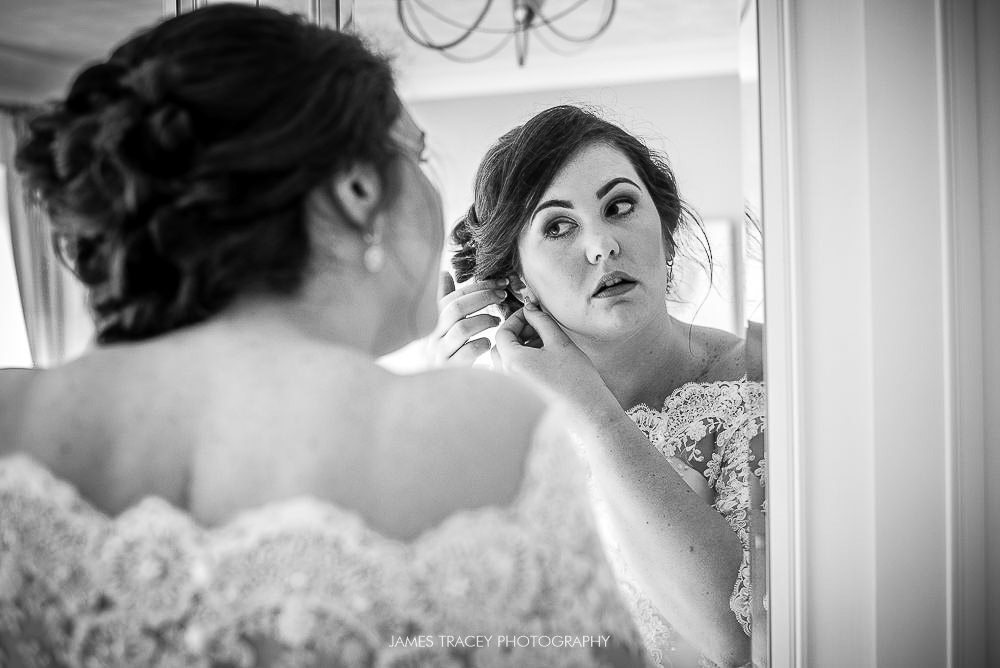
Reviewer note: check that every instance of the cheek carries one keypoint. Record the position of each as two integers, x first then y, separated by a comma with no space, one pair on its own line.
553,274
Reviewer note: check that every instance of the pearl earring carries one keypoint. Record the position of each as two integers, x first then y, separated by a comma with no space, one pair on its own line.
374,255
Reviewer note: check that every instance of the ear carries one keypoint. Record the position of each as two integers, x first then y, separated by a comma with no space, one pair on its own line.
357,193
521,289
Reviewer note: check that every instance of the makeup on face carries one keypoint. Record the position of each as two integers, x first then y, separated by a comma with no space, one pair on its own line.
616,207
593,250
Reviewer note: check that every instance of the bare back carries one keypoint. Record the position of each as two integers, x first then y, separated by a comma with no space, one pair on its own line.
217,420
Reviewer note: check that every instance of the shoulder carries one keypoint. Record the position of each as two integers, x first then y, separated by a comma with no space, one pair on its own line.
476,424
16,389
467,401
41,408
725,354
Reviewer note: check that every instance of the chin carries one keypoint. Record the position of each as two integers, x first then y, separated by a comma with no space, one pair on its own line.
622,320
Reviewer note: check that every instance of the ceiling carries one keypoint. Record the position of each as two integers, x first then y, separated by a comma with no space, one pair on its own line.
43,41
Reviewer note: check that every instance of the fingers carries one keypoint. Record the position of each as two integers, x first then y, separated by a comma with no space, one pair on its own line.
459,319
548,330
517,331
462,331
510,332
470,352
446,285
496,359
470,287
465,305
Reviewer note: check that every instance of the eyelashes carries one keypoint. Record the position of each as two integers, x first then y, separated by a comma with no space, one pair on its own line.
618,209
559,227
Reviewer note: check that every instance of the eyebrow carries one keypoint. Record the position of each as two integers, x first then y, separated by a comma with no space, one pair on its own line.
603,190
566,204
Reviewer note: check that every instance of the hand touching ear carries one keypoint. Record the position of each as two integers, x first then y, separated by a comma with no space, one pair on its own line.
521,290
530,343
459,320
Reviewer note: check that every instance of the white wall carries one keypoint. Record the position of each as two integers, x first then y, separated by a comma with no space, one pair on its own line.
695,121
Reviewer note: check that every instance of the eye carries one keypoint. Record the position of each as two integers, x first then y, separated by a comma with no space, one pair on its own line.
558,227
620,207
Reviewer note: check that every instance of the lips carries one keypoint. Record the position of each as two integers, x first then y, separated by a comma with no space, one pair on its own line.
614,283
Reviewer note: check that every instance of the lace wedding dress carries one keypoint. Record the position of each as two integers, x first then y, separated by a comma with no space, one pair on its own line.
304,582
709,426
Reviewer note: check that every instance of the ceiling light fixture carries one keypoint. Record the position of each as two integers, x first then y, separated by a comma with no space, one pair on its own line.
528,18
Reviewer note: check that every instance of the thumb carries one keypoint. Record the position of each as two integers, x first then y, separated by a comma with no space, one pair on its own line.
446,285
545,325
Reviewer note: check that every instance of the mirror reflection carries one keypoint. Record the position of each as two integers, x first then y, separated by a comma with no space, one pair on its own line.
681,78
597,165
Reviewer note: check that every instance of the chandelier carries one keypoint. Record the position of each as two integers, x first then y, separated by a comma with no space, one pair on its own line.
527,18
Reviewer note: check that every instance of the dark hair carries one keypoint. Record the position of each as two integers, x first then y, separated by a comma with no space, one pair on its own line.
176,171
516,171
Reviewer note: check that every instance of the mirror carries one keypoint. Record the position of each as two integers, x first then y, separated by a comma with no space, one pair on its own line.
681,75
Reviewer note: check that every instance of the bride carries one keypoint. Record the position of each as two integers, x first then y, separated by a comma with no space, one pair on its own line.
573,233
229,479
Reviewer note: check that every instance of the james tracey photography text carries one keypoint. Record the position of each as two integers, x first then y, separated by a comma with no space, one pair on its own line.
499,641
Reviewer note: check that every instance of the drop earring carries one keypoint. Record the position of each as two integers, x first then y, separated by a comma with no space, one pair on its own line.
374,255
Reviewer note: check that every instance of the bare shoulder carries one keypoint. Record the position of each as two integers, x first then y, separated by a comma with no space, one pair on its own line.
16,389
724,354
41,408
476,426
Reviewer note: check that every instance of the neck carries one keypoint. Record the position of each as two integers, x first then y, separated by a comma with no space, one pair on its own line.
322,311
647,365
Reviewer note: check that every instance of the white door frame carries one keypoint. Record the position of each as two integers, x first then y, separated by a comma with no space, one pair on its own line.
874,332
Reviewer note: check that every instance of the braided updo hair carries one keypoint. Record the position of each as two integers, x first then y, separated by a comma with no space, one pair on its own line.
522,164
175,172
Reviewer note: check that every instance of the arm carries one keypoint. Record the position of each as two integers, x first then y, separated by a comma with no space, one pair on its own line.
684,554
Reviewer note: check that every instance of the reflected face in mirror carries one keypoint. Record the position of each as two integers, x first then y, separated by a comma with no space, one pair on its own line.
593,251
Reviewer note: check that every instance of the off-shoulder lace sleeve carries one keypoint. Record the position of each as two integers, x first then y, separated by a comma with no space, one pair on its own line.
303,582
734,412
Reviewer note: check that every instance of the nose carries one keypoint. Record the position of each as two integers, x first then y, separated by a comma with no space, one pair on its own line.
601,245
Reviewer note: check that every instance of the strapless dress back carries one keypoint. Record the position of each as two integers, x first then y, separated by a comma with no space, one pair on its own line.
304,582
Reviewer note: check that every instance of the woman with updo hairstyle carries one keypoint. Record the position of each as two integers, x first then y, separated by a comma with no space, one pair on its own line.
573,234
229,478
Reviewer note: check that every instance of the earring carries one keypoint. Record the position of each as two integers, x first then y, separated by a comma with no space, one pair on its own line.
374,256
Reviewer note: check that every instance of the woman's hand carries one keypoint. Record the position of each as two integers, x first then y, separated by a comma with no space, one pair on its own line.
531,343
459,320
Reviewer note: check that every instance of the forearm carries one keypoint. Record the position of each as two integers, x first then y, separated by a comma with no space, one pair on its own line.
682,551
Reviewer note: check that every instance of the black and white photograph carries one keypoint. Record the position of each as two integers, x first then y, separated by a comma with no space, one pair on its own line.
484,333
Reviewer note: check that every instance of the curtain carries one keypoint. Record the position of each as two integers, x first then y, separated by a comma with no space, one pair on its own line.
56,319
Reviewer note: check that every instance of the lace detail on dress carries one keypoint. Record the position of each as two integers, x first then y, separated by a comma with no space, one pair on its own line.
304,582
732,411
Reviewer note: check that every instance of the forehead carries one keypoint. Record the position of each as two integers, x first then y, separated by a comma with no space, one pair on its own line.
590,168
